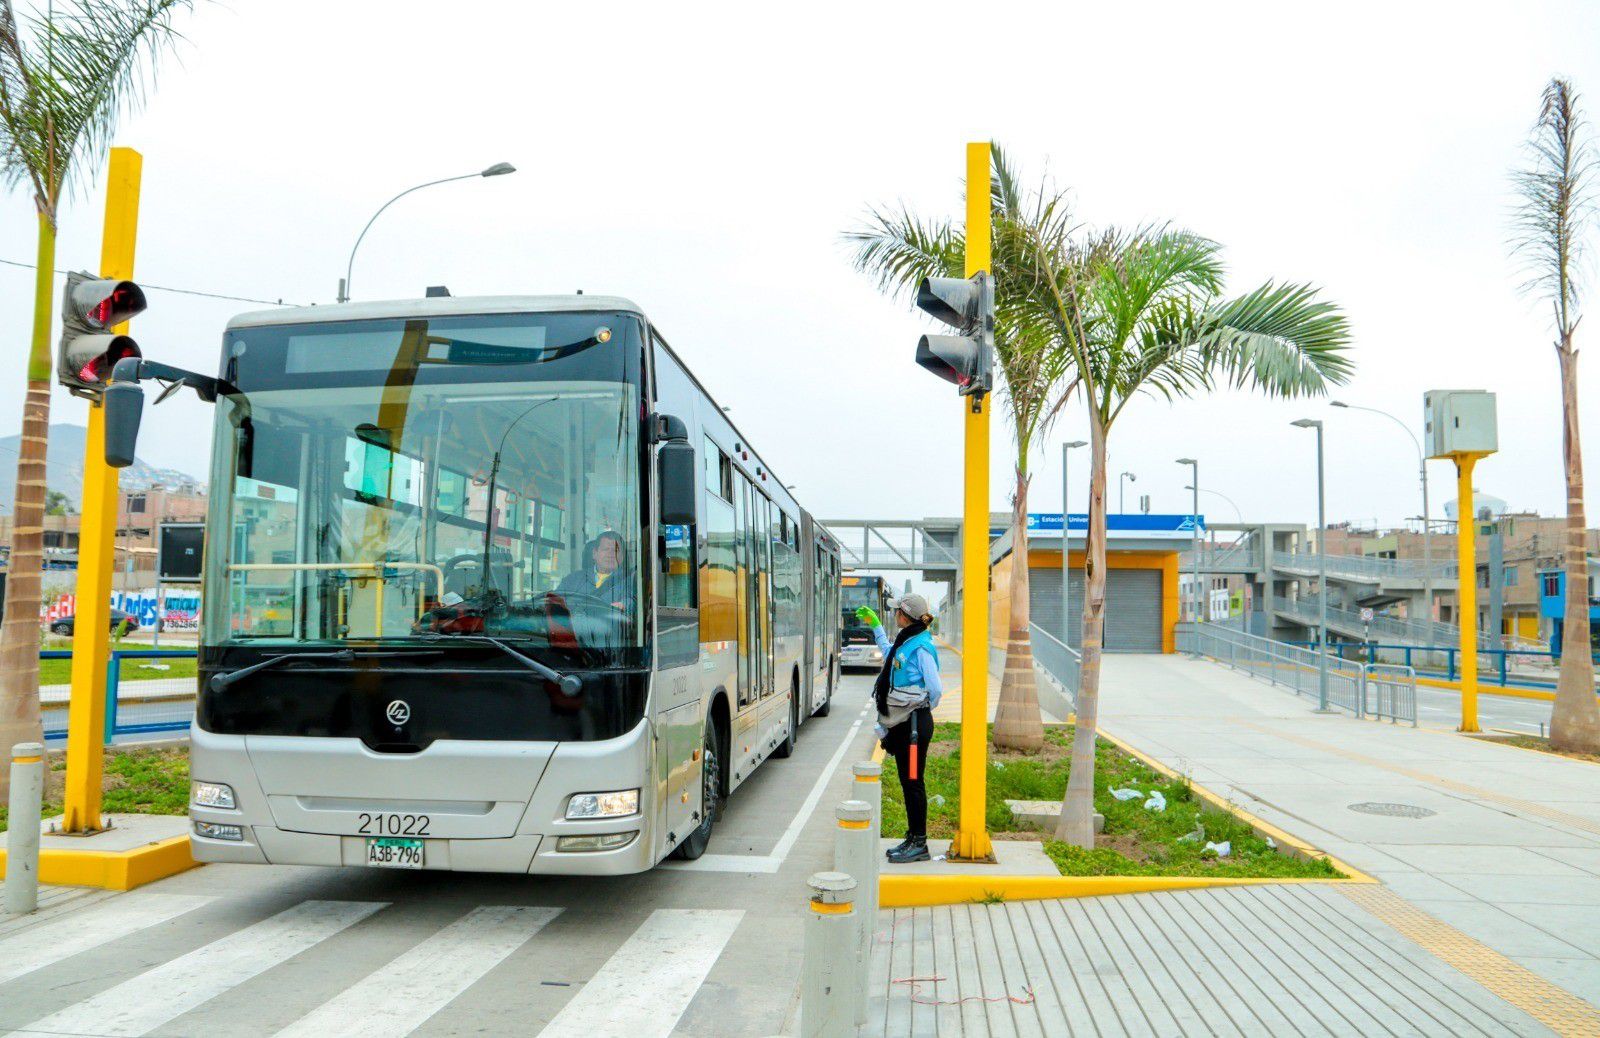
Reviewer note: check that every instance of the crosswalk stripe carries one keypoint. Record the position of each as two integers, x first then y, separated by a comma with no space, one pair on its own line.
643,989
397,999
41,946
143,1003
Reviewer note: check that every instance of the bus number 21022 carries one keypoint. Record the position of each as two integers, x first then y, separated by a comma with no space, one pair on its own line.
393,825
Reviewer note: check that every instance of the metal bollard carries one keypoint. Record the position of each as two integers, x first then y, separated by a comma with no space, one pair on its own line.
855,853
22,834
827,983
868,772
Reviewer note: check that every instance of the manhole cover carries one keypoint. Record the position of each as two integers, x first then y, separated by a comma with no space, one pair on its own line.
1393,810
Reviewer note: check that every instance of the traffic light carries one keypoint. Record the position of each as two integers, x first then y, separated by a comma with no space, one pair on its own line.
90,308
967,305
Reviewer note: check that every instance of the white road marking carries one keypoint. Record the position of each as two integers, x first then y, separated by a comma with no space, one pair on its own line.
400,997
47,945
644,988
143,1003
771,862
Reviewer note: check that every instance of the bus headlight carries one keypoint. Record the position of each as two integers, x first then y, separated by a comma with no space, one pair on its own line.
604,805
608,842
211,794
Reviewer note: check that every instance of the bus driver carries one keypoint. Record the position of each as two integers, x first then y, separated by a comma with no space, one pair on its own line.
603,577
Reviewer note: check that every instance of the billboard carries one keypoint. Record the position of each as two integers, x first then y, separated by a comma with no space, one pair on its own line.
1176,527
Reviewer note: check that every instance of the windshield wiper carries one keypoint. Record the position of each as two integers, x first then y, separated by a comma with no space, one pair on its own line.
221,682
570,684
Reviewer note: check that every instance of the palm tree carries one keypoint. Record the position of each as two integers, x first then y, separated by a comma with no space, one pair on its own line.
899,249
63,85
1552,225
1141,312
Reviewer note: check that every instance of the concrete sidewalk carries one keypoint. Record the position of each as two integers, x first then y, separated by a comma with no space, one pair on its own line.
1499,844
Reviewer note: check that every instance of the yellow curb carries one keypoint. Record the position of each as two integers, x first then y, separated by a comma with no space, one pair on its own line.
1297,847
903,891
1510,692
1488,740
113,870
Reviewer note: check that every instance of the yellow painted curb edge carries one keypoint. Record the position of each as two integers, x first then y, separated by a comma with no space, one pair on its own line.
1509,691
906,891
113,870
1296,846
1489,740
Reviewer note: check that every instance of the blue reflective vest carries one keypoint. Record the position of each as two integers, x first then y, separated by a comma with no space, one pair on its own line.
907,671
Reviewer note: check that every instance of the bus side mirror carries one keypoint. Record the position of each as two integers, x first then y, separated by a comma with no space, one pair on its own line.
675,477
124,407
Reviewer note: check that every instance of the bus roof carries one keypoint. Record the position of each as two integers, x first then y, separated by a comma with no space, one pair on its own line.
433,306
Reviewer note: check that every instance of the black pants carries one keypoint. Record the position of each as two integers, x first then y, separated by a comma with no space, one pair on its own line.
908,742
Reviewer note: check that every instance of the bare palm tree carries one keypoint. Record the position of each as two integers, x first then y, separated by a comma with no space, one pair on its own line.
65,79
1552,227
899,249
1142,312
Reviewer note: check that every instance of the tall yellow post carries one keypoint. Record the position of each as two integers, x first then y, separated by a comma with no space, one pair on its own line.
1467,589
86,713
972,836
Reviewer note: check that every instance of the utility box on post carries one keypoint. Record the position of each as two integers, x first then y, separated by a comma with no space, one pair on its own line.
1459,421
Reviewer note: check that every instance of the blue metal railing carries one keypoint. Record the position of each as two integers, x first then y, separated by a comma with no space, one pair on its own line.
179,693
1426,660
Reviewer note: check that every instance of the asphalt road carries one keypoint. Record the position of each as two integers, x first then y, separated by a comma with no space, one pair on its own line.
706,948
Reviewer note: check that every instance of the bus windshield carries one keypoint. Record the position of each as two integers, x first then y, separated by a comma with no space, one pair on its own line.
461,477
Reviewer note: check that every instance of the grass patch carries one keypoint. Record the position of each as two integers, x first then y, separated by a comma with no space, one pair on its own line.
1535,742
1136,842
136,782
59,672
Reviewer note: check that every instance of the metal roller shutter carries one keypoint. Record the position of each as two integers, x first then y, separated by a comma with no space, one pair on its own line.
1133,607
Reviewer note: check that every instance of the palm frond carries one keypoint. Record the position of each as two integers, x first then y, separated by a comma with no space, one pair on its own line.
84,67
1551,224
898,249
1281,340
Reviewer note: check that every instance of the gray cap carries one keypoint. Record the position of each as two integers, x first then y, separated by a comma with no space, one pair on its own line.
915,606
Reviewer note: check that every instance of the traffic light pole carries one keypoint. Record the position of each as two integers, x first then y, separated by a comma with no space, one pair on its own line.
972,837
86,714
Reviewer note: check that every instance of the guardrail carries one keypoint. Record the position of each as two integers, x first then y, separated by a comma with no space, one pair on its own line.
1425,632
138,702
1381,690
1060,660
1363,567
1443,661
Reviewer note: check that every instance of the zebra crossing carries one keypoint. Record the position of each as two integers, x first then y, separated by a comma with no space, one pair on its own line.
641,990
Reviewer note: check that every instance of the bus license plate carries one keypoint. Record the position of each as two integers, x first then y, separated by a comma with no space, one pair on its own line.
394,854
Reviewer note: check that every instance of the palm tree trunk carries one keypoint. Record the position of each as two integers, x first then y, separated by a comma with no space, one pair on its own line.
19,633
1017,724
1076,825
1575,718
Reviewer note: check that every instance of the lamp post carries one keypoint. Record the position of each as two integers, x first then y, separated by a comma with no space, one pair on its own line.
1322,571
1194,543
1237,515
499,169
1066,570
1427,527
1122,503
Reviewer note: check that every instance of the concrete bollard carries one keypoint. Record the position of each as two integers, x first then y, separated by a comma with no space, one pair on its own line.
827,983
22,833
871,790
855,853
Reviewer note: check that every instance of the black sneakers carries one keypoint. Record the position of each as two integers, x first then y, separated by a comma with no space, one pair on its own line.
912,850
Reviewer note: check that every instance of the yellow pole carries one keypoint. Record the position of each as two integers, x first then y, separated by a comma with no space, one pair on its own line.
86,712
1467,589
972,836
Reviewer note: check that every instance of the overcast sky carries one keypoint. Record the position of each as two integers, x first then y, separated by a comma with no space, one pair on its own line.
705,165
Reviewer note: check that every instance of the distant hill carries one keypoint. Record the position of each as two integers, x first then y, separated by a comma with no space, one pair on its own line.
64,467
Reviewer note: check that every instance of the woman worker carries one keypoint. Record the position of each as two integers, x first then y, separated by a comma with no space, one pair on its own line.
906,692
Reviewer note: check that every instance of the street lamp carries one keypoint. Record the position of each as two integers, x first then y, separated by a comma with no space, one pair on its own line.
1427,530
1322,570
1194,547
1122,503
1066,570
499,169
1237,515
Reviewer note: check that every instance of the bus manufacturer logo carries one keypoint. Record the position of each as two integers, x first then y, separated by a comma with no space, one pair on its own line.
398,712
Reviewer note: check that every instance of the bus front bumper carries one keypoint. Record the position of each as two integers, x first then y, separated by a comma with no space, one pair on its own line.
318,819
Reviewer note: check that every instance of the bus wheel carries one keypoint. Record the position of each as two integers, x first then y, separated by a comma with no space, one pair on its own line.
696,842
786,747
